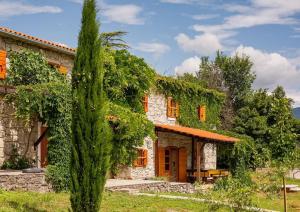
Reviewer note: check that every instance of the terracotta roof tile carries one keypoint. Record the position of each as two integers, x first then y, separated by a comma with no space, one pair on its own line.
35,39
196,132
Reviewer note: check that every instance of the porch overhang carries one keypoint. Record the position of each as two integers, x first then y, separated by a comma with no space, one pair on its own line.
196,133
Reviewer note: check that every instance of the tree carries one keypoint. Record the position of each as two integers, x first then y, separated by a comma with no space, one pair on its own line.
91,143
114,40
231,75
268,120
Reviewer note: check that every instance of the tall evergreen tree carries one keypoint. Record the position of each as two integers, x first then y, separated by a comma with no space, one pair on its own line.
90,153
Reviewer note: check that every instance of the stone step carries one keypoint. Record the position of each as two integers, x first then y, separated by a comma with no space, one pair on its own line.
294,189
290,186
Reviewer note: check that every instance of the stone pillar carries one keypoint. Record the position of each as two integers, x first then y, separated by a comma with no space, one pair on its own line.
209,156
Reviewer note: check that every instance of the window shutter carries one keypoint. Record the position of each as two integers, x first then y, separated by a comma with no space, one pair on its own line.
169,107
146,107
2,64
177,109
202,113
63,69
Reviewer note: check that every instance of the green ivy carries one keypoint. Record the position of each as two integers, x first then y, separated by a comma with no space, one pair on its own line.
51,104
190,96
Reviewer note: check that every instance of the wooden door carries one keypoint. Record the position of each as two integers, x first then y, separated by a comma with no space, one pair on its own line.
161,161
182,164
44,149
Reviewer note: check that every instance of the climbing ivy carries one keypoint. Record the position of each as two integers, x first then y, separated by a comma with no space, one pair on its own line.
43,94
190,96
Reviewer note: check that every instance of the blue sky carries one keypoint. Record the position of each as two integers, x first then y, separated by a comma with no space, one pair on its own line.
172,35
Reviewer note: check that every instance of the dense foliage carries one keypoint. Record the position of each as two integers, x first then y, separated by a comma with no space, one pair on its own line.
230,75
91,134
268,120
30,68
46,98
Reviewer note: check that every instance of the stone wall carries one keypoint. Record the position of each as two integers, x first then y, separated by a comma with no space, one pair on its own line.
157,113
14,133
149,170
52,57
209,156
18,181
158,186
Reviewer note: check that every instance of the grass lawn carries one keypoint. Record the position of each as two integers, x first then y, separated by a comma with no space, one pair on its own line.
293,200
35,202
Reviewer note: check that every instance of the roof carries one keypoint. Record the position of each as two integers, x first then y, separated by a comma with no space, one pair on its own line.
193,132
37,41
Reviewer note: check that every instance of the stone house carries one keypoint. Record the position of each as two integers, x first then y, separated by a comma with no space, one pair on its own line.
178,153
13,133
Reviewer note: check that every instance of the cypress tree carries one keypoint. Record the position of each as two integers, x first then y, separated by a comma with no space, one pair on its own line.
91,145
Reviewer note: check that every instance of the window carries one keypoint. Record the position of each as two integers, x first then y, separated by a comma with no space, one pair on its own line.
2,64
142,158
167,160
202,113
145,103
172,108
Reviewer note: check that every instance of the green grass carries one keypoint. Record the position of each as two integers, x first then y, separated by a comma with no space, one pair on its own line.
35,202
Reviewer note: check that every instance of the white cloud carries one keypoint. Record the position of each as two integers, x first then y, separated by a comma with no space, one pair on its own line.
125,14
14,8
190,65
295,95
201,2
204,17
205,44
259,12
119,13
157,49
273,69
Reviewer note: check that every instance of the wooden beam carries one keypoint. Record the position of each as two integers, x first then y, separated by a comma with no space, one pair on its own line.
193,154
39,140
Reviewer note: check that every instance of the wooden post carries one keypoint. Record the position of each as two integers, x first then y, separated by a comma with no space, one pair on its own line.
193,155
284,194
198,161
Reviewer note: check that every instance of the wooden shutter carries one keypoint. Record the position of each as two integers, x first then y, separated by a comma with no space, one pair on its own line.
63,69
182,164
169,107
161,161
202,113
177,109
2,64
145,101
145,155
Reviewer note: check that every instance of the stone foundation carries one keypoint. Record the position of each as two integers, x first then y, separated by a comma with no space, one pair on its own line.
158,187
18,181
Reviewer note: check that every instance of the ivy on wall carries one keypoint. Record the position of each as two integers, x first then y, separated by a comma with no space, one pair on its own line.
190,96
43,93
